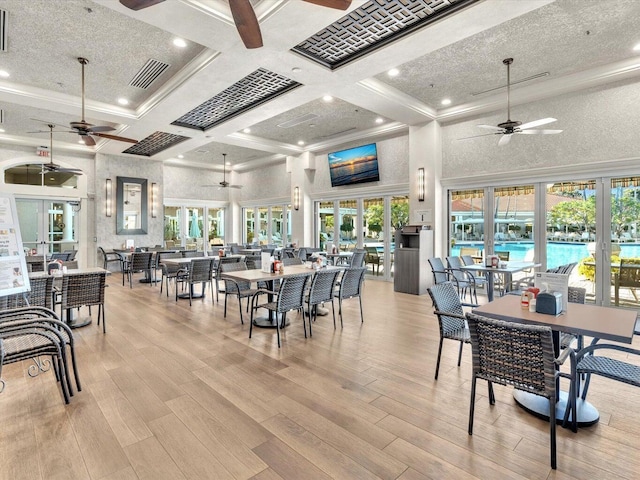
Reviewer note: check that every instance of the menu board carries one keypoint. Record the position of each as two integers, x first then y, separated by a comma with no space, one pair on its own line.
14,277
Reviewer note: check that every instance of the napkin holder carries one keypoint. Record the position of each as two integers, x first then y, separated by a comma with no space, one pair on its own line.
549,303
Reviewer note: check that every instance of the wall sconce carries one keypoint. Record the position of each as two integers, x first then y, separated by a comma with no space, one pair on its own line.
421,184
296,198
108,195
154,198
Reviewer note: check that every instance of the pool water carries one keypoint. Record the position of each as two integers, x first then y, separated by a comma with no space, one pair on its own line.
558,253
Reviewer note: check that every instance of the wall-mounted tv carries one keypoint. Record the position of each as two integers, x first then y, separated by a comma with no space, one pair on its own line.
355,165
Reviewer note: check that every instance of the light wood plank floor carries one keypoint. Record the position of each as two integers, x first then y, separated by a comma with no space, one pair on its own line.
174,392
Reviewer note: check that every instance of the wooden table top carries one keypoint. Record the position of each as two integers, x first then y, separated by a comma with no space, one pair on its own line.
512,267
582,319
257,275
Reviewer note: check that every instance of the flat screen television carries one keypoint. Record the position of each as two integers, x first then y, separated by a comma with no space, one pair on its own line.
354,165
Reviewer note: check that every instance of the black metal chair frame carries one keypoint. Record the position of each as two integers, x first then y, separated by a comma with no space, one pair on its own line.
290,296
351,284
232,287
321,291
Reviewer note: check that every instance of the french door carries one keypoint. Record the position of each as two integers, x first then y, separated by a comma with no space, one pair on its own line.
47,226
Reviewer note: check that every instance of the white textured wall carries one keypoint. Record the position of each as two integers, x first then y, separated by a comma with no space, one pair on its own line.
189,183
393,163
599,124
112,166
272,182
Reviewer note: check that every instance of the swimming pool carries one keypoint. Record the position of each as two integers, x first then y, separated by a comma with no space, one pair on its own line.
558,253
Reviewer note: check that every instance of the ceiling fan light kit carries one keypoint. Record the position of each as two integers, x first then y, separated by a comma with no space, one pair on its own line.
510,127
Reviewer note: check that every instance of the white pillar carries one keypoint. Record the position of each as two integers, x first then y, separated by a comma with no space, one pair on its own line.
67,220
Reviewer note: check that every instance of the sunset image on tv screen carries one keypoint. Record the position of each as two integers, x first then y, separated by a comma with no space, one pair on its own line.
355,165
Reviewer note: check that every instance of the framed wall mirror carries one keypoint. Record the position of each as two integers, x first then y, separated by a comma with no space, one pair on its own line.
131,206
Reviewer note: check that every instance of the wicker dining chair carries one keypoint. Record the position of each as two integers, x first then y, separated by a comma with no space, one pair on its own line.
32,333
321,291
351,284
514,354
168,272
84,290
290,296
200,270
137,262
239,289
40,294
217,272
465,281
451,320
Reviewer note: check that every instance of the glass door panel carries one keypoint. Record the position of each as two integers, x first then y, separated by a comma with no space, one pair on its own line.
571,231
326,225
399,218
194,238
348,210
215,227
466,228
374,235
47,226
277,226
172,227
249,225
624,274
263,225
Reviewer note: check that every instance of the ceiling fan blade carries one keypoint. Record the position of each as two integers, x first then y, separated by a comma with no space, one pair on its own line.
476,136
489,127
505,139
537,123
101,128
539,132
88,141
139,4
113,137
246,23
338,4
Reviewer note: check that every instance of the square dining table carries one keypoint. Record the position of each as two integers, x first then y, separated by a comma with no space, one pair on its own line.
606,323
257,275
508,271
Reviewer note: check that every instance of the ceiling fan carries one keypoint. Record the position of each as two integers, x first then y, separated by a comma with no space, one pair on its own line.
243,16
512,127
224,183
54,167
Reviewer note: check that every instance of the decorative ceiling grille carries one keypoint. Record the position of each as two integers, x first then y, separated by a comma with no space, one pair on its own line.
254,89
155,143
374,24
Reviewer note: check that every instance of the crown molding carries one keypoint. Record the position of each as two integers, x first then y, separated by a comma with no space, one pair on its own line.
397,97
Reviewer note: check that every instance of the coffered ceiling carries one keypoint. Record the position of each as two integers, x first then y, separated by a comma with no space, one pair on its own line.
575,43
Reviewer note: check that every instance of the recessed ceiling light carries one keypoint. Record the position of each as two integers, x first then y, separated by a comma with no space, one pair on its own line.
247,130
296,69
123,101
379,120
4,73
312,125
81,142
637,48
446,101
178,42
393,72
52,178
180,156
327,98
228,163
1,130
300,142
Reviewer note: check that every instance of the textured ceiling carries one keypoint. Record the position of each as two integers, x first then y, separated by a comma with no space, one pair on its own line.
551,39
459,55
330,118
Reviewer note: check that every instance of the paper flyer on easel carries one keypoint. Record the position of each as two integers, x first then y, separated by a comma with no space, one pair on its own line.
14,277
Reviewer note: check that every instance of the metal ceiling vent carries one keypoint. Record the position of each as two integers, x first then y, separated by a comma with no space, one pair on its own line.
148,73
3,30
298,120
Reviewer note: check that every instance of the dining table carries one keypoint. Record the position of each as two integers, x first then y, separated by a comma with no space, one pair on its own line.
257,275
505,268
595,321
339,258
